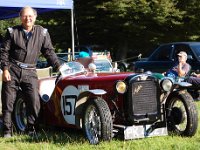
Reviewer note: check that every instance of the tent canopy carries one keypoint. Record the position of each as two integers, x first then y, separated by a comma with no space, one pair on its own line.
10,8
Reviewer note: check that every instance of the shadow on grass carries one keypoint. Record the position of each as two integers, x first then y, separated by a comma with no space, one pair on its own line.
50,135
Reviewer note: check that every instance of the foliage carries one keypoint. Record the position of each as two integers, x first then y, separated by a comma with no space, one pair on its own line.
59,25
4,24
128,26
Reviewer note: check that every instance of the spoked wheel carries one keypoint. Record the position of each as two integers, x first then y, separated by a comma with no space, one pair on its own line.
97,121
19,114
182,117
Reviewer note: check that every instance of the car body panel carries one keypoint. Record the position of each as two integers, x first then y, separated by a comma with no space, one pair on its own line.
72,89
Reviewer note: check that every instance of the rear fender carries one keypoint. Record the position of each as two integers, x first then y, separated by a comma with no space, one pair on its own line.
46,88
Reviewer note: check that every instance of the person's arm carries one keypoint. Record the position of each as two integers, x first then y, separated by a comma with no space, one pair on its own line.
183,69
49,53
4,57
5,47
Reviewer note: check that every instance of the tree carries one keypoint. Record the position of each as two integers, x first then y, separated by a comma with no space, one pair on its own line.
123,26
191,27
128,24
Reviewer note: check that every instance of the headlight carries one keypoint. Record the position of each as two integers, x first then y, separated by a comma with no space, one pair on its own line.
121,87
166,84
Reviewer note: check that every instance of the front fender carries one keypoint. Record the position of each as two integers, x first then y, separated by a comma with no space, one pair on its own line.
183,84
85,96
177,93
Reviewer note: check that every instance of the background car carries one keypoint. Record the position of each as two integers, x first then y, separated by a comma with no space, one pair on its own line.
104,65
42,64
128,63
165,56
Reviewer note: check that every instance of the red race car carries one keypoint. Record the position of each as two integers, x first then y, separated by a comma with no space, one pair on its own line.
108,104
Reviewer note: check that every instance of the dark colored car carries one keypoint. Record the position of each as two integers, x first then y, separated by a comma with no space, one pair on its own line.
107,104
165,56
127,64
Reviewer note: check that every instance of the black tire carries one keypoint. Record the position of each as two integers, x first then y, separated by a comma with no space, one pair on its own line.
19,114
122,68
182,115
97,121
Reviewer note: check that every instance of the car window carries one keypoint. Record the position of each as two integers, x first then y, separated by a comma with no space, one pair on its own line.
103,65
182,47
162,53
196,49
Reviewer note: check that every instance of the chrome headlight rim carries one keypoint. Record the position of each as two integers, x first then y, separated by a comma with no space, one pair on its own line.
166,84
120,87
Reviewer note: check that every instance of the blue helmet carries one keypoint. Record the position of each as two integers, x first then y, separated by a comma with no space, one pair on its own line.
83,54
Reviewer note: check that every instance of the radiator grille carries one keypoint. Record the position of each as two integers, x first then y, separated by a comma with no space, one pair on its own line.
144,96
143,103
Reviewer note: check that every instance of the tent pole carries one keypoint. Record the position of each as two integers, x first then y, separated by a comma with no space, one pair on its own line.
72,28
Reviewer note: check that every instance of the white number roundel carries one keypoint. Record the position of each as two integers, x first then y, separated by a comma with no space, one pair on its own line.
68,102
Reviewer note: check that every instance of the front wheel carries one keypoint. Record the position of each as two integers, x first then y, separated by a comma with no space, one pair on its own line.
182,116
97,121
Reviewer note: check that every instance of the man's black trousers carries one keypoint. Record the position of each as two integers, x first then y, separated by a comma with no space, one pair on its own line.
26,81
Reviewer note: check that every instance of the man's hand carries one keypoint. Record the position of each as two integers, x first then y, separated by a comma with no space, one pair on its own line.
181,63
181,72
6,76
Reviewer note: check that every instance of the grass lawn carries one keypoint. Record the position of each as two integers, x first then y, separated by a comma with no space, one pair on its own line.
75,140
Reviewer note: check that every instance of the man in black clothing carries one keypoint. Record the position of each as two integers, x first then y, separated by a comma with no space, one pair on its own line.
19,53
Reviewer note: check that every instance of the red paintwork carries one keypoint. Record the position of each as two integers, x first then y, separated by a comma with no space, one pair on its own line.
52,113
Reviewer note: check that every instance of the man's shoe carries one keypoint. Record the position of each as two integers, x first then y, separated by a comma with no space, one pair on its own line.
31,131
7,135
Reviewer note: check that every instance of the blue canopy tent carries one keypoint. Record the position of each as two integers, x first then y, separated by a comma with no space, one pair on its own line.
10,9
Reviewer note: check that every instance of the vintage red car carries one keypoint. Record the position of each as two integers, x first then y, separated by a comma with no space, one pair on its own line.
109,104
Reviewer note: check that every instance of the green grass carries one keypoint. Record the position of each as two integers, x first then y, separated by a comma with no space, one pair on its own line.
75,140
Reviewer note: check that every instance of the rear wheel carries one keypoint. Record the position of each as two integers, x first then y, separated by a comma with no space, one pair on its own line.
19,114
97,121
182,117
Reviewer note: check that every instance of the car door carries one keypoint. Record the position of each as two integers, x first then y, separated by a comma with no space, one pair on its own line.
161,60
